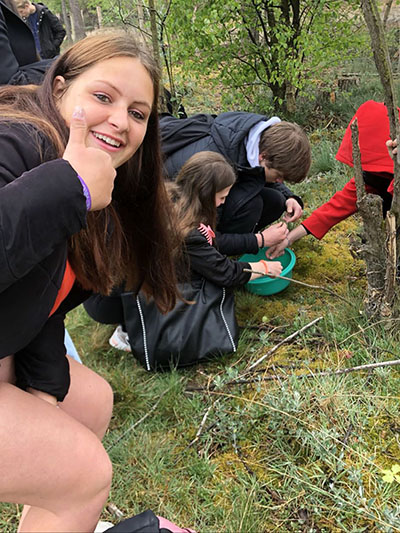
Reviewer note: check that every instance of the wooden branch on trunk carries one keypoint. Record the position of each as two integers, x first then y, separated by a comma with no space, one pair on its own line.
373,251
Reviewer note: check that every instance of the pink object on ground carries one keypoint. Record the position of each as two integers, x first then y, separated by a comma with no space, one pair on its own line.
164,523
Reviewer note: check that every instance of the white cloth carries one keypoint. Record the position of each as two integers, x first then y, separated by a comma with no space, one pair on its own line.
253,139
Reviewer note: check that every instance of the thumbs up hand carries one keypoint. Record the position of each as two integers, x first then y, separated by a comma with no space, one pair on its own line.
93,165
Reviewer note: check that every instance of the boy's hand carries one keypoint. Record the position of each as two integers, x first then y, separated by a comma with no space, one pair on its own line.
275,234
392,147
293,210
92,164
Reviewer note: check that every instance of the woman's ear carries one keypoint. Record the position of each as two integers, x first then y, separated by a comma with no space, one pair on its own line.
59,87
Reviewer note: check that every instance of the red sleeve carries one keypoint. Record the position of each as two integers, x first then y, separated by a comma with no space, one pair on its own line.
338,208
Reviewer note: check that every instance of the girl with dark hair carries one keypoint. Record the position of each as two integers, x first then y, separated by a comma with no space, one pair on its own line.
83,207
201,186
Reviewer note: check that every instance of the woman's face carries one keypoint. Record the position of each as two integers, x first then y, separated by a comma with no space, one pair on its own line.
117,96
220,197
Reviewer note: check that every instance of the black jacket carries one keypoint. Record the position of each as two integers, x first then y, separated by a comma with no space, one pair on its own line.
207,262
51,32
19,63
42,205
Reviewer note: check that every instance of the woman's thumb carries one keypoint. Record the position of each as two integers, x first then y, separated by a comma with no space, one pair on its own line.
78,128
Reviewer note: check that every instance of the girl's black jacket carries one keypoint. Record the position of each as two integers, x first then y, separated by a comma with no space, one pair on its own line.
207,262
41,206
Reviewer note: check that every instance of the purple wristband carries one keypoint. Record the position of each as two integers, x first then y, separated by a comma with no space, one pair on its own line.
86,193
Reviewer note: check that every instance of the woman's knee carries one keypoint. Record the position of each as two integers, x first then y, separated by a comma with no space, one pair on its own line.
89,400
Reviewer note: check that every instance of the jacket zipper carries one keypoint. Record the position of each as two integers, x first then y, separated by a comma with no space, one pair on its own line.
146,352
224,320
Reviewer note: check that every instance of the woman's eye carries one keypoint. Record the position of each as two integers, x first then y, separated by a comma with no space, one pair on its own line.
102,97
136,114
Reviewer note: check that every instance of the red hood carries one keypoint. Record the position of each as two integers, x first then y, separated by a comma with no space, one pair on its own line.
373,127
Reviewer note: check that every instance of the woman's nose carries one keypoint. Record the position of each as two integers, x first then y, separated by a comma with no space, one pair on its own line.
119,118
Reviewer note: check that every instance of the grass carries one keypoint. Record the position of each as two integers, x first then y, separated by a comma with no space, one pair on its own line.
292,454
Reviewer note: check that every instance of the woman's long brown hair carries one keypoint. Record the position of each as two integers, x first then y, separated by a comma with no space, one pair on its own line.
201,177
134,239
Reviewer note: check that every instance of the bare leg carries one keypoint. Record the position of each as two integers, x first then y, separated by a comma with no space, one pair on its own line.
51,461
89,400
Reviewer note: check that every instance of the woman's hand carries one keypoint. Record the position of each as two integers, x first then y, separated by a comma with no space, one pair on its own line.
93,165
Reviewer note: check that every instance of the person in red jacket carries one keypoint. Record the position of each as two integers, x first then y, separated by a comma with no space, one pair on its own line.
377,166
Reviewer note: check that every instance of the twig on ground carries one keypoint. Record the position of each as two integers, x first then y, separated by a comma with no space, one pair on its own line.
239,379
320,287
202,424
275,377
135,425
286,339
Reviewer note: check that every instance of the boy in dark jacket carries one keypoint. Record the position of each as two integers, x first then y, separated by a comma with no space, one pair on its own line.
47,29
264,151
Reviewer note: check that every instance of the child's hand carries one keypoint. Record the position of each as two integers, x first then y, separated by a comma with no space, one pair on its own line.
392,147
275,234
277,250
93,165
293,210
274,268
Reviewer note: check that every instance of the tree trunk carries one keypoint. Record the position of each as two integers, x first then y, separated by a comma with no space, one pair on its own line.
77,21
66,21
99,16
140,15
373,236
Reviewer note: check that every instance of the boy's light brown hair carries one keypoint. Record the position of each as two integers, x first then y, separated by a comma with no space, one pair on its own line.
286,148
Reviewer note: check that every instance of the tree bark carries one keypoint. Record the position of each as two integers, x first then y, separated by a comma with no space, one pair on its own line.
373,247
76,16
66,21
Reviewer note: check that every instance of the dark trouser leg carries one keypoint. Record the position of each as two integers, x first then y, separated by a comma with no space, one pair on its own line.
263,209
105,309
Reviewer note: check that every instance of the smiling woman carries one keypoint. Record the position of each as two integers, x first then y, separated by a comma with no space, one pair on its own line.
82,204
117,105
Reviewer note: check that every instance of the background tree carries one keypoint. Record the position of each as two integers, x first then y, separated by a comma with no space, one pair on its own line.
259,45
78,26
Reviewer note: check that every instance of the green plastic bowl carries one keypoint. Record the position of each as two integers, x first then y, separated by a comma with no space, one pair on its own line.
266,285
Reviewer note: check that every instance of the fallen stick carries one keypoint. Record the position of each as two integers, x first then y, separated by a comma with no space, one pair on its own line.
286,339
320,287
274,377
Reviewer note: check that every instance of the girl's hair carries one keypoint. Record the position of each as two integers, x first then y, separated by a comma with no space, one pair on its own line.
133,239
201,177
